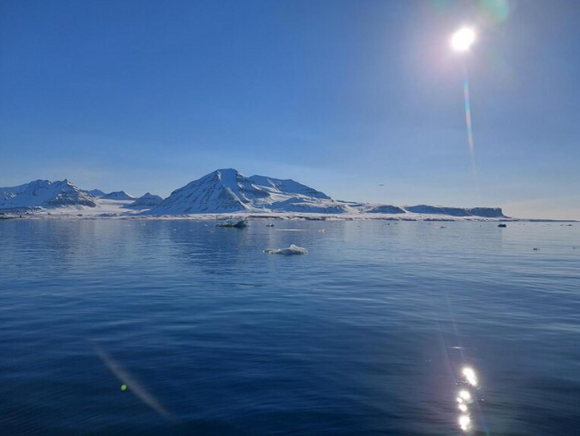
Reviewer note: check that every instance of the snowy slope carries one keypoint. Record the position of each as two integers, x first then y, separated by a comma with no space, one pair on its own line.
288,186
146,201
45,194
118,195
222,191
227,190
97,193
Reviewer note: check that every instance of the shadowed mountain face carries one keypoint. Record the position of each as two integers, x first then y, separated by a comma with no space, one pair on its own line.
118,195
288,186
97,193
42,193
146,201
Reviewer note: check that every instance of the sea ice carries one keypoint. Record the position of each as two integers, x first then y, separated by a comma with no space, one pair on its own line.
293,249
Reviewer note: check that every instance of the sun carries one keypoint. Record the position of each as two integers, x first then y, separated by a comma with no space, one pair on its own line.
463,39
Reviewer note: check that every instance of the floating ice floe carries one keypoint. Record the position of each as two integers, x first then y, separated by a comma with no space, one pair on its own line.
293,249
239,224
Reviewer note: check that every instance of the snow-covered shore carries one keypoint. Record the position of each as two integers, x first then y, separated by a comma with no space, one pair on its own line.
116,212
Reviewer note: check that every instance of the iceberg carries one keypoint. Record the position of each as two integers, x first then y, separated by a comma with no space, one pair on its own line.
293,249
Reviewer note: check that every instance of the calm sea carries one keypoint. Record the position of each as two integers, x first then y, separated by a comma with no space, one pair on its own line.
181,328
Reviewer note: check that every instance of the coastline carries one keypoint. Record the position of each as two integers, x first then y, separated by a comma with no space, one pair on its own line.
78,215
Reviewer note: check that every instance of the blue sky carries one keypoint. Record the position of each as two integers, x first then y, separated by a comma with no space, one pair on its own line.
340,95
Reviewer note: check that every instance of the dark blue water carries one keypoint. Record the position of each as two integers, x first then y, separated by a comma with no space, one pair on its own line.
368,334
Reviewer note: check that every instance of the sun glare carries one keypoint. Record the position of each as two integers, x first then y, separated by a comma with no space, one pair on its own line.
470,376
463,39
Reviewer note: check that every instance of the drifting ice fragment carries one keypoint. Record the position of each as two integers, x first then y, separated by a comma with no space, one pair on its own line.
293,249
238,224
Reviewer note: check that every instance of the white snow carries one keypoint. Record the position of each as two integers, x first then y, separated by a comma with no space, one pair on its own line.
146,201
293,249
288,186
224,191
62,198
229,191
44,194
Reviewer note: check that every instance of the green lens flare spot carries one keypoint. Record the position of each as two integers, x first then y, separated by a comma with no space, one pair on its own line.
123,387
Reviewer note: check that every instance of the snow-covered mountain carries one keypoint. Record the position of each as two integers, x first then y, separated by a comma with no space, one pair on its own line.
97,193
118,195
288,186
229,191
146,201
222,191
46,194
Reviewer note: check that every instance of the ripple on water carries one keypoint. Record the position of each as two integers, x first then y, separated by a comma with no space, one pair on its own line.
403,329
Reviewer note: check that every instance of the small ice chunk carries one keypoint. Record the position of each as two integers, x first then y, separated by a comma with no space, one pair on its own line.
293,249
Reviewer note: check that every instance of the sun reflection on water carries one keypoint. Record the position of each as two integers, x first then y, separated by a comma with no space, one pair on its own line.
470,376
465,422
467,386
464,395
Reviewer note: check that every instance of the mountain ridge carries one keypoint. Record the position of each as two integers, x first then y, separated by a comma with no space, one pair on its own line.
229,191
221,191
44,193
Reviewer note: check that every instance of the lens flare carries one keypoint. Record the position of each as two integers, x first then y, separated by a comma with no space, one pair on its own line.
494,11
137,388
468,123
461,41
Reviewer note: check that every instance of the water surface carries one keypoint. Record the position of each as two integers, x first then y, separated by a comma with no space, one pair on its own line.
367,334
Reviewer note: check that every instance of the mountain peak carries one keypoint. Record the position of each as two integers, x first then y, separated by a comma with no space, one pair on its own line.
227,171
118,195
97,193
146,201
43,193
223,190
228,190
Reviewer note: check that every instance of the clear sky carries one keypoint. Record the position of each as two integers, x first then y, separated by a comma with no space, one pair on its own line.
340,95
